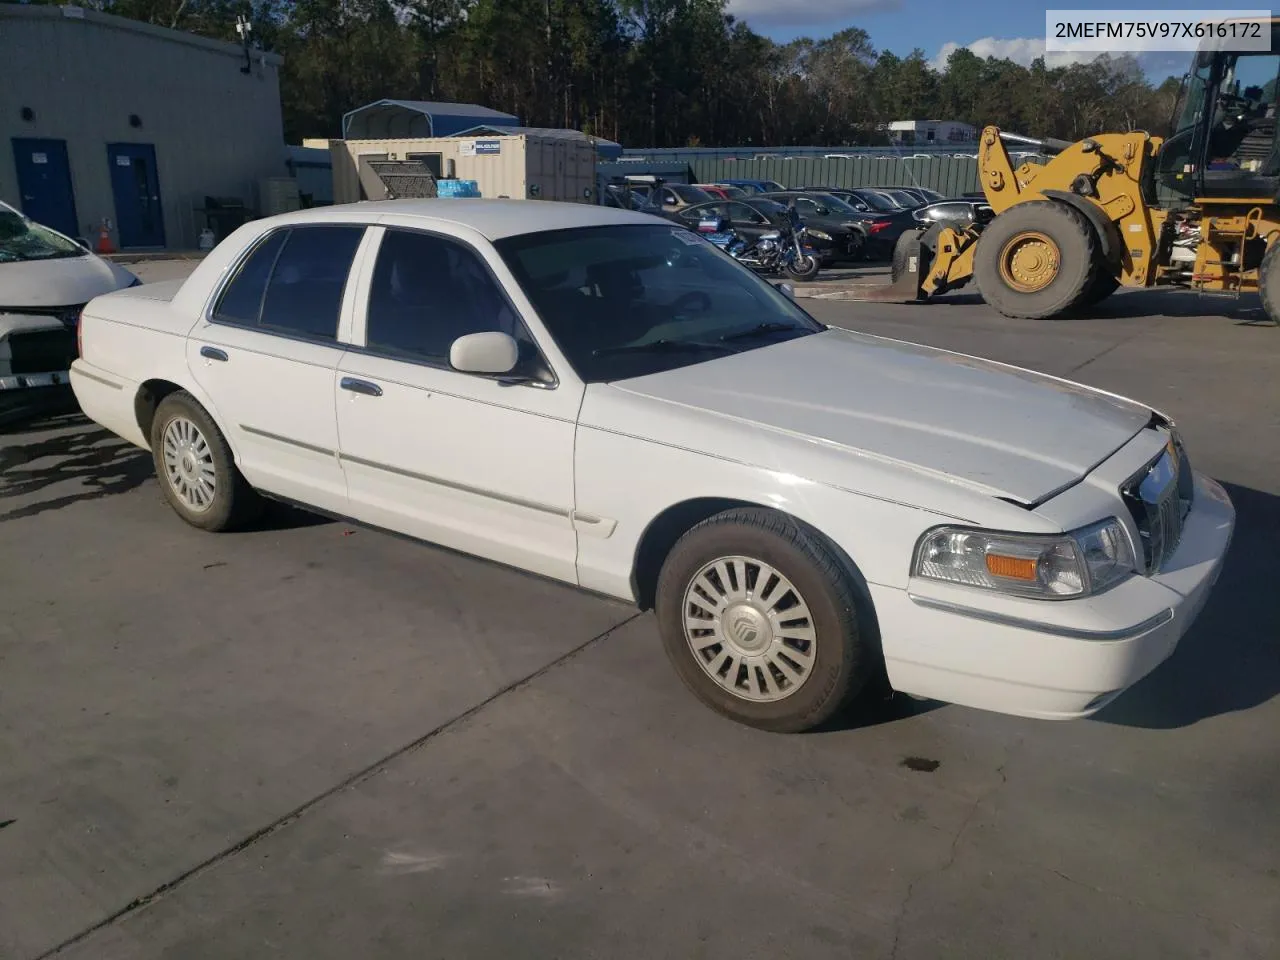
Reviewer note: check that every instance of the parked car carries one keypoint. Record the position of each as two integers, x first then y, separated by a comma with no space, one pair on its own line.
883,220
671,197
45,280
600,398
903,198
920,195
956,212
751,217
721,191
754,186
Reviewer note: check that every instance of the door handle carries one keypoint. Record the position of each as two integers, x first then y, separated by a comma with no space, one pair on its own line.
213,353
360,386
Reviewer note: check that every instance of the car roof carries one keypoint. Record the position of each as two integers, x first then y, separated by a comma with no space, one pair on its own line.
492,219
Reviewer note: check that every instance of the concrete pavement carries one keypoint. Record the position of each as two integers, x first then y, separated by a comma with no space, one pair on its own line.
313,740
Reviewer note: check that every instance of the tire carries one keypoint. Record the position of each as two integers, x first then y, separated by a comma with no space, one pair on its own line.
804,269
1053,281
1269,281
1105,283
182,432
827,668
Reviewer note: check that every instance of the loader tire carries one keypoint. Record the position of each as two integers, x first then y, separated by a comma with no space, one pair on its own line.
1037,260
1269,282
1105,283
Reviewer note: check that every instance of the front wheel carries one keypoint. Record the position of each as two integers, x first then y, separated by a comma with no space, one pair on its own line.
760,621
803,268
1036,260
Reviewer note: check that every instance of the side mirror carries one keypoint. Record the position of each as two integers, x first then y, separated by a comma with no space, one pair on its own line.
821,210
491,352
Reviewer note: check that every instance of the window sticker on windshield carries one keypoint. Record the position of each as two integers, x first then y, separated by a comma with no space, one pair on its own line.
687,238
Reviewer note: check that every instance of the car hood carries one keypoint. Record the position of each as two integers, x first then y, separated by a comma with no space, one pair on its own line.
998,429
61,282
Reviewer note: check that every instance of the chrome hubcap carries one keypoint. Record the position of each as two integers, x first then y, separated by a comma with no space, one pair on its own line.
749,629
188,464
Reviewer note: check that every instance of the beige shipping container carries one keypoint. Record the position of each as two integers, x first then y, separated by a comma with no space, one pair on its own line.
520,166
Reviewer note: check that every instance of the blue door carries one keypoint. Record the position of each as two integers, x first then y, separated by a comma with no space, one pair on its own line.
136,187
44,184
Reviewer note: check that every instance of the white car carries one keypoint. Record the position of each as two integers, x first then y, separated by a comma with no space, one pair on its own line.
45,280
607,400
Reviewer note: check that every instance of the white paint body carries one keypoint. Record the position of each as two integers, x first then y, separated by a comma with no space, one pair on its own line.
871,441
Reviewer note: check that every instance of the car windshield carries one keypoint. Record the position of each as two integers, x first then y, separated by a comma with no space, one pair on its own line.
878,201
773,186
903,198
629,300
690,194
770,208
734,192
835,204
22,239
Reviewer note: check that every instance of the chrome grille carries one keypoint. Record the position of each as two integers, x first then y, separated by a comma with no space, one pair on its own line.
1159,498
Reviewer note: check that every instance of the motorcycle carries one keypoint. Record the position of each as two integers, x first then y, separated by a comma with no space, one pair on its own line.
784,250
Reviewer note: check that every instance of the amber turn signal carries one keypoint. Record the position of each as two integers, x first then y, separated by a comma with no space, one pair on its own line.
1014,568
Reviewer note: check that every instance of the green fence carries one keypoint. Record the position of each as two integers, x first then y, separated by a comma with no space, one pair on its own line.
950,176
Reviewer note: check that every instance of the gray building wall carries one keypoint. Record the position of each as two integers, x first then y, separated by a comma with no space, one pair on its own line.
216,131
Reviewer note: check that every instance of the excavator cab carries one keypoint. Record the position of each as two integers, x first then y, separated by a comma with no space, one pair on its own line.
1224,137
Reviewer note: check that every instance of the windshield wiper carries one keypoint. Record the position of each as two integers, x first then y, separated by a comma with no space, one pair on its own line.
769,326
664,345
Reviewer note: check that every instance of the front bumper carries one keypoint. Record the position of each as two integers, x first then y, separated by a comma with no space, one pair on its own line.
1053,660
35,399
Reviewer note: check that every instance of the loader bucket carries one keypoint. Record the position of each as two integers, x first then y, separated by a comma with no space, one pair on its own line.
905,289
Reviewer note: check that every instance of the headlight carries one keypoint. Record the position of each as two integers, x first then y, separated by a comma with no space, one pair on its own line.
1055,567
821,235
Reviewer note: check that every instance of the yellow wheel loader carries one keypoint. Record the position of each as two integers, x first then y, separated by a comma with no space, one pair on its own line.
1199,209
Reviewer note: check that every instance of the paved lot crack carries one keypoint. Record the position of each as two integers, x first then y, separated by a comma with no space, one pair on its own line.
348,783
1100,354
1129,901
950,859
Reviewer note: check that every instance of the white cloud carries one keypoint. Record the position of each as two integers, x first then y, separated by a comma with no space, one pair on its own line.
1156,65
805,13
1020,50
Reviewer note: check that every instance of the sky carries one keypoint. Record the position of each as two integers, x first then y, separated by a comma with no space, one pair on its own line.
998,28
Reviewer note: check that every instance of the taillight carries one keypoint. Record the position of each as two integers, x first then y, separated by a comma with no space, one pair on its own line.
876,227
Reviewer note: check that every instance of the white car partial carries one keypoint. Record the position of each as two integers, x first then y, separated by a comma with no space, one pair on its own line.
609,401
45,280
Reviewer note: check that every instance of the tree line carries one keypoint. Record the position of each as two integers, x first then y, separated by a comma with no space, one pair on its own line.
660,73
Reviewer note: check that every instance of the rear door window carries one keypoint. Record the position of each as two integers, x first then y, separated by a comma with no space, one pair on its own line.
293,282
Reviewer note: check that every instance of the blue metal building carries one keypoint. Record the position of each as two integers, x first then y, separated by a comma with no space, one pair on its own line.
405,119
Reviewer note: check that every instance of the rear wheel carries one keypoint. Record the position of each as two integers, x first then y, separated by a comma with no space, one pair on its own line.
1036,260
197,472
760,621
1269,281
803,268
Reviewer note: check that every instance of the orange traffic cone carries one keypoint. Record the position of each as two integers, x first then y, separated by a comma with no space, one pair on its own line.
104,239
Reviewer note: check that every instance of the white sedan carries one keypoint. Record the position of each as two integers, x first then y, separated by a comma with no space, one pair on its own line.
607,400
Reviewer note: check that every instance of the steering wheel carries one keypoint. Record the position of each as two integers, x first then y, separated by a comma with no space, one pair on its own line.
693,300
